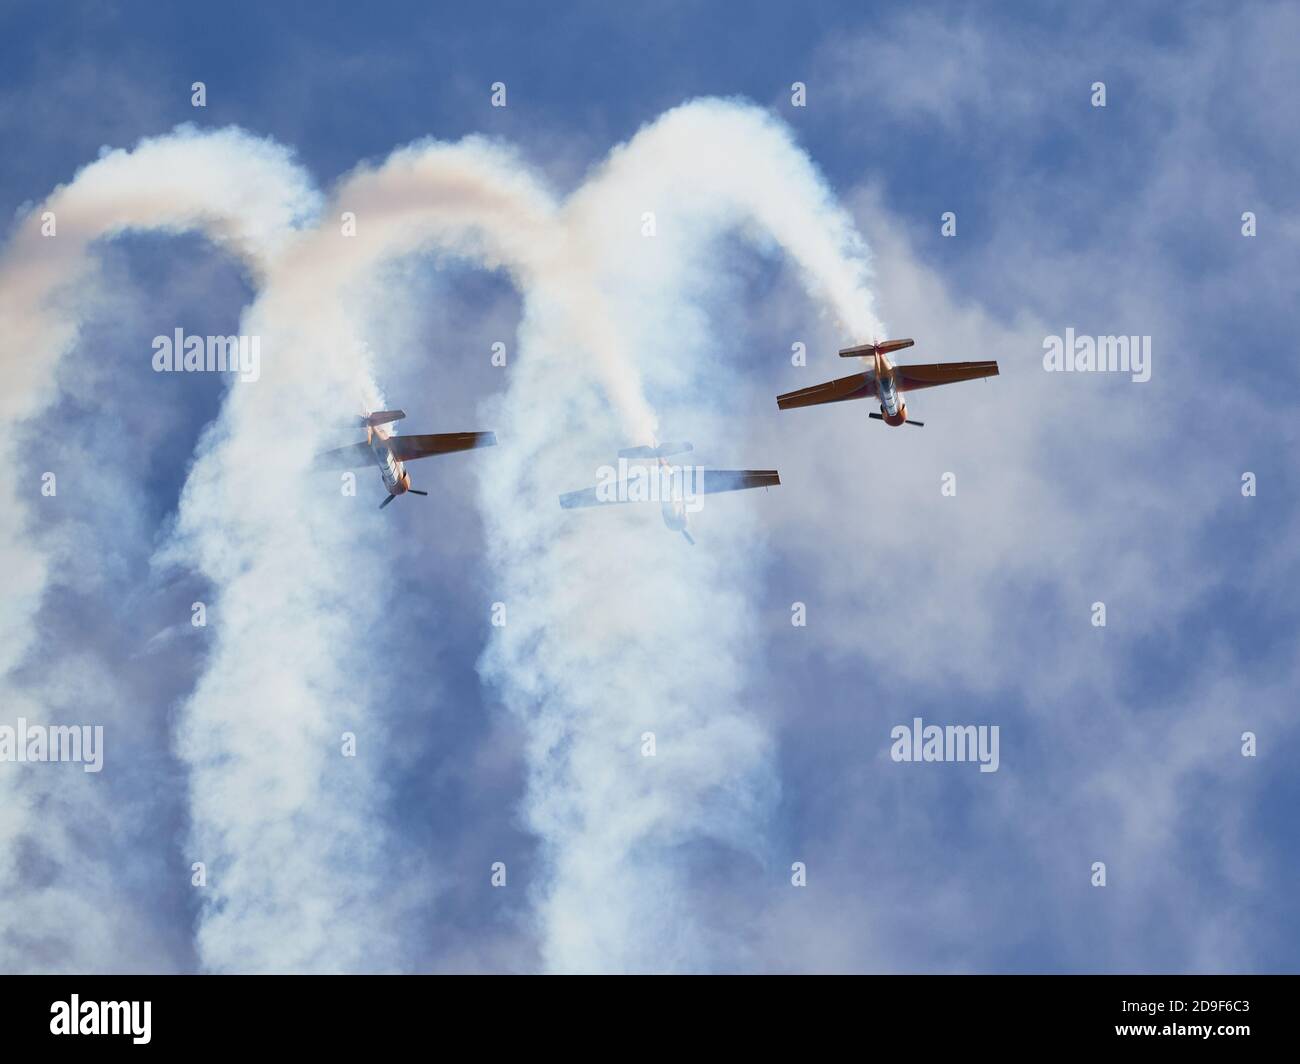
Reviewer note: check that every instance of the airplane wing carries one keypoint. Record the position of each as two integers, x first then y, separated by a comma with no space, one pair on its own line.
406,448
855,387
715,480
576,500
910,378
354,456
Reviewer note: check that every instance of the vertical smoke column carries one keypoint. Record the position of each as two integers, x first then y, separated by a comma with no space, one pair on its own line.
305,875
245,194
618,636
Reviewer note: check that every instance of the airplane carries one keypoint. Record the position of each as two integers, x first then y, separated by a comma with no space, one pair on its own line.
391,453
886,381
671,481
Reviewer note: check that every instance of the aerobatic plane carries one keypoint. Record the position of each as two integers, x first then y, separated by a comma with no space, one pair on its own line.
886,382
675,488
391,453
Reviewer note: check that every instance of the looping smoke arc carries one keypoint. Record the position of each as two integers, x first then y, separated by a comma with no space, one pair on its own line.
304,875
613,637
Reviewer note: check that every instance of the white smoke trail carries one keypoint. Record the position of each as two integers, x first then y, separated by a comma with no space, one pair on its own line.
711,166
302,871
240,191
301,875
615,629
245,194
305,876
475,201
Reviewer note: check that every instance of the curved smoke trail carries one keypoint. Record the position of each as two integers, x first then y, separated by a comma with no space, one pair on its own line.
245,194
609,637
290,829
305,875
614,629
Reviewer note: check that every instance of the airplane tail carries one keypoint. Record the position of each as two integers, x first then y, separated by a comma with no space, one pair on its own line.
882,347
383,417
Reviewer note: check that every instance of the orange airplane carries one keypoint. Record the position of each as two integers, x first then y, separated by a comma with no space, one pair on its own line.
886,381
391,453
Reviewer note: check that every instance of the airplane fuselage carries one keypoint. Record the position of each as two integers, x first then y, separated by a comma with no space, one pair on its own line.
893,407
673,509
396,479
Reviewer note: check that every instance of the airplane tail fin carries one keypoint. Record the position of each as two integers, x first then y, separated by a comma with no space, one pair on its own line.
663,450
882,347
383,417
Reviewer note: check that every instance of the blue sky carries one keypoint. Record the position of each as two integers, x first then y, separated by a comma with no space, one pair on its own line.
1119,744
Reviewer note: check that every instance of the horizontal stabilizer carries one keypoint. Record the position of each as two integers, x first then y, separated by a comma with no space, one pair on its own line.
383,417
664,450
882,347
406,448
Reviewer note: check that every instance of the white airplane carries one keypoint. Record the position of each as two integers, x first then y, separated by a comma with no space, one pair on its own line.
391,453
673,487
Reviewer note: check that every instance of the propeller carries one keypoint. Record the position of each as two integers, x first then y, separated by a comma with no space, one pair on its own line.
909,421
409,491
